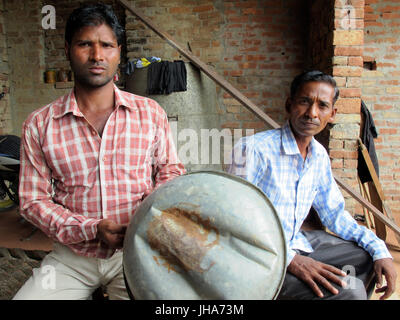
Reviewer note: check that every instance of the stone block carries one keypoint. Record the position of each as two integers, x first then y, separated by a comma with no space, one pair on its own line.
348,37
349,105
345,131
347,71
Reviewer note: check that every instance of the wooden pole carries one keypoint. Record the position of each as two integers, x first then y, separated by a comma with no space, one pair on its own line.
236,94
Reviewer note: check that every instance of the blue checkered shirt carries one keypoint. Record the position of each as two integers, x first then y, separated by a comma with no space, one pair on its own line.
272,161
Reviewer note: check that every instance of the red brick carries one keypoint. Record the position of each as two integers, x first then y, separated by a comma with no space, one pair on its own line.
337,163
373,24
254,125
386,65
348,51
346,105
179,10
343,154
350,92
252,11
350,164
255,57
390,16
389,82
356,61
203,8
348,37
388,131
371,17
234,125
255,42
238,19
236,73
248,65
382,107
235,26
335,144
343,71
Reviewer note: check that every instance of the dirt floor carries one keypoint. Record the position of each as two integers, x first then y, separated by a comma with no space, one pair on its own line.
22,247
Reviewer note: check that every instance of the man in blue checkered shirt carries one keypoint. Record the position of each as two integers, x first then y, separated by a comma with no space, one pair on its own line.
294,171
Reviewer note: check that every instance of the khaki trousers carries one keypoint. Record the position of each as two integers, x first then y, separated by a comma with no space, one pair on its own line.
64,275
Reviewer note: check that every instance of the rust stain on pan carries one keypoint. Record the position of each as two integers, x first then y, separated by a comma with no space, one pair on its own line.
182,239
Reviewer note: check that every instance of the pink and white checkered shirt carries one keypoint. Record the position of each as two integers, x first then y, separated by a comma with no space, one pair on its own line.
71,178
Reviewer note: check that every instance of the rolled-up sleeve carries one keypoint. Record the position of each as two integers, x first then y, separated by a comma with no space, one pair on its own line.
330,205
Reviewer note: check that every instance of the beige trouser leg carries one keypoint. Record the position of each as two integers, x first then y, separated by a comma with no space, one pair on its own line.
63,275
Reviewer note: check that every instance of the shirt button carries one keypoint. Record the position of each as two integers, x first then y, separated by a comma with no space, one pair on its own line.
104,159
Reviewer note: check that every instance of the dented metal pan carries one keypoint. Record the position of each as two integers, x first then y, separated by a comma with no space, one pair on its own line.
205,235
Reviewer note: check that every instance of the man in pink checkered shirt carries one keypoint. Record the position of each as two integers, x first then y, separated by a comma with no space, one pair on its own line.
88,159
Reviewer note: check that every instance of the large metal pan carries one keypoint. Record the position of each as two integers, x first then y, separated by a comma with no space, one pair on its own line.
205,235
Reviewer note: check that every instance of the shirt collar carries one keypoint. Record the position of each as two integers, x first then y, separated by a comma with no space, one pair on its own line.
69,104
289,144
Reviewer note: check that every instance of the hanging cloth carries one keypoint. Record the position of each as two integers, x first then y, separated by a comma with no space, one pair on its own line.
368,134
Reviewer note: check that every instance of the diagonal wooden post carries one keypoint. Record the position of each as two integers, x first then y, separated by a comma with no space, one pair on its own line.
236,94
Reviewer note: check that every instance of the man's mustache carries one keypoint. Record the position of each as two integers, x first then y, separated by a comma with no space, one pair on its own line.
314,121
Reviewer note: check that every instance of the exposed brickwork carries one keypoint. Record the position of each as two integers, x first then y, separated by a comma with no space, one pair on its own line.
320,48
258,46
26,59
347,68
380,90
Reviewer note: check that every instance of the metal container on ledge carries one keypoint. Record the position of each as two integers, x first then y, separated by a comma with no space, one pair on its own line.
205,235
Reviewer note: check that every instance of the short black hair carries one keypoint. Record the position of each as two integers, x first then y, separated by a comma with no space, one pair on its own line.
93,15
314,75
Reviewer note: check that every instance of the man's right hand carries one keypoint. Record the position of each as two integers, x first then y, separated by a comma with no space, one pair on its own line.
313,272
111,233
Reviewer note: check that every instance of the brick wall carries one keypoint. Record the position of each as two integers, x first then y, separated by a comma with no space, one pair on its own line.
347,62
320,45
321,26
25,40
381,91
258,46
5,114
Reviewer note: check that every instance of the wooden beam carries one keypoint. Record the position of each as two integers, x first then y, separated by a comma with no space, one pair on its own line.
369,206
203,67
236,94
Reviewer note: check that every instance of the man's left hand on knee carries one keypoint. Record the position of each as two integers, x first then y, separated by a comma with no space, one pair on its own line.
385,267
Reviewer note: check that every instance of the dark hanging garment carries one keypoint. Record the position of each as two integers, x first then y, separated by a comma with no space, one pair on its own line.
181,76
166,77
368,134
155,77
